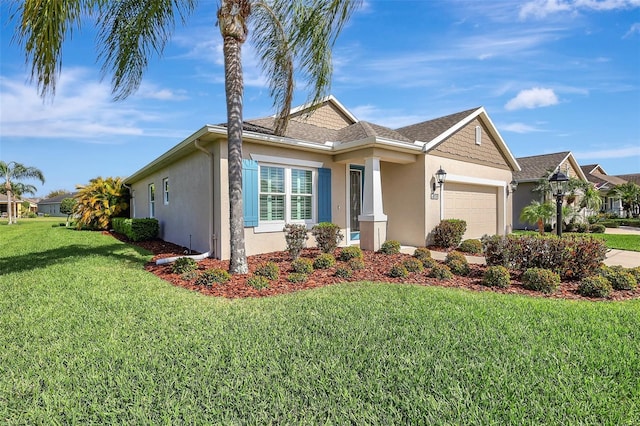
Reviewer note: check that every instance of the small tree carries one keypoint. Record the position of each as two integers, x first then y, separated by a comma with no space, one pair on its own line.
628,194
67,206
101,200
537,213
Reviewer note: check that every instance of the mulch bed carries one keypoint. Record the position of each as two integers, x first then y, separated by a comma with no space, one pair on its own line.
377,266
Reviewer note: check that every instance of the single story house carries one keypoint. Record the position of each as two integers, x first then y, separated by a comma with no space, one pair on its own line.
17,208
534,169
604,183
376,183
51,206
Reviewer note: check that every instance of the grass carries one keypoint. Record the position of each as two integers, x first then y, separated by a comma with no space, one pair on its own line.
88,337
613,241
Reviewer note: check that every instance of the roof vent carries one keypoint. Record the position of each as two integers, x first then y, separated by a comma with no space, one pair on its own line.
478,135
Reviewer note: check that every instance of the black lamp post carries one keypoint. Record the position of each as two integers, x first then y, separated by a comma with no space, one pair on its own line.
441,175
558,182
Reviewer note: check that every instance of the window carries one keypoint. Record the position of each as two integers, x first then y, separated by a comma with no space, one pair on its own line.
152,200
165,190
286,194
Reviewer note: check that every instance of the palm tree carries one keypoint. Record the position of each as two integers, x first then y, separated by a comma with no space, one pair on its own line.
537,213
284,32
591,199
12,173
100,201
629,194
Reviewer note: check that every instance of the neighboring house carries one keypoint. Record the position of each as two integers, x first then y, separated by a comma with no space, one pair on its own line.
51,206
376,183
535,168
16,206
634,177
603,183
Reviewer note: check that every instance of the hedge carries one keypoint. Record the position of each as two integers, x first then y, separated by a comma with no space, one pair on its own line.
136,229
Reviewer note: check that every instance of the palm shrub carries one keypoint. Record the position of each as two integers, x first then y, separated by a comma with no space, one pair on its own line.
539,279
296,237
496,276
100,201
390,247
324,261
448,233
268,270
327,236
537,213
595,286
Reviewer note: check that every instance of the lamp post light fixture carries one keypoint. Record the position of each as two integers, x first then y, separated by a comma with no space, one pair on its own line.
441,176
513,185
558,182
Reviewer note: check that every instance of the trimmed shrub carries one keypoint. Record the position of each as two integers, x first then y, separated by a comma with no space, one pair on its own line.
413,265
296,236
213,276
496,276
189,275
449,232
324,261
351,252
582,227
258,282
297,277
635,272
459,268
356,263
441,272
390,247
539,279
422,253
184,264
327,236
597,228
610,223
398,271
595,286
470,246
429,262
344,273
454,255
268,270
619,277
136,229
302,266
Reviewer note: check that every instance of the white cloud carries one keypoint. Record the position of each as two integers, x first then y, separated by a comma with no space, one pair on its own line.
519,128
625,152
635,29
532,98
543,8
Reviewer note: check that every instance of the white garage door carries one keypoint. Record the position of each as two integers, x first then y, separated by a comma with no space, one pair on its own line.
477,205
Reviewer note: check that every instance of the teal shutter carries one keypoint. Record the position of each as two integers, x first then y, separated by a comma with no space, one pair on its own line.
324,195
250,192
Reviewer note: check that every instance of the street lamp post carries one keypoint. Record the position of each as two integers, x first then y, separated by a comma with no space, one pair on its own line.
558,182
441,175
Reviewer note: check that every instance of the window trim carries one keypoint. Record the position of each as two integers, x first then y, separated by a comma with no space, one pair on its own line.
165,191
151,192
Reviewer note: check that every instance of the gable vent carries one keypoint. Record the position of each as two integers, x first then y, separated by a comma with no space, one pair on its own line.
478,135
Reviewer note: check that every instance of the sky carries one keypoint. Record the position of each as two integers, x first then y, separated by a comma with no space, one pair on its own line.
553,75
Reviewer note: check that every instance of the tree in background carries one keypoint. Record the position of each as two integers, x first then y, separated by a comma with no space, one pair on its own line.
99,201
591,199
628,194
57,192
284,32
13,173
537,213
67,206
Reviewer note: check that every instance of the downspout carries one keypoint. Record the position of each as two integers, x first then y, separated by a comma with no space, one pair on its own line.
211,251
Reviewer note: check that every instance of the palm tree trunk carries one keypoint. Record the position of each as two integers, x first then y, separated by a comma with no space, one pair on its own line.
9,212
231,18
540,226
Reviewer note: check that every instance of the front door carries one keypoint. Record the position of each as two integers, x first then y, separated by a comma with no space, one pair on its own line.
355,204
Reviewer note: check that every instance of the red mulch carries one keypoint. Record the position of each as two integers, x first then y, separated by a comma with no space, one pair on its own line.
376,269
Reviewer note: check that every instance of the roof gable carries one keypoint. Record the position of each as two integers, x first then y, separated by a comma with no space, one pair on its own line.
537,167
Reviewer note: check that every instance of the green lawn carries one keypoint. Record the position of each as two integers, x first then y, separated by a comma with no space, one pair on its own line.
88,337
613,241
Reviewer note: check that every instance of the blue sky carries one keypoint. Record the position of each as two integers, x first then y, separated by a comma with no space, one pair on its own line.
554,75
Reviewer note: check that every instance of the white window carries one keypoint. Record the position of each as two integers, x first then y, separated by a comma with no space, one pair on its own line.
152,200
286,195
165,190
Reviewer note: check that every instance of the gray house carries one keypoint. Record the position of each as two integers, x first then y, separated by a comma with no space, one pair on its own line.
51,206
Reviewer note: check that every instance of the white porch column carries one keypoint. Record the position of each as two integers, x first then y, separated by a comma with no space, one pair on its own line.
373,221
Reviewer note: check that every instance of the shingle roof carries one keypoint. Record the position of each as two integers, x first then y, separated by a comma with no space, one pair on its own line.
428,130
57,198
634,177
295,130
538,166
364,129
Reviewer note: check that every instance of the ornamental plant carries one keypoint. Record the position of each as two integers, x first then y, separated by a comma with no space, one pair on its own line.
258,282
398,271
268,270
213,276
296,236
496,276
327,236
344,273
539,279
302,266
441,272
413,265
390,247
470,246
422,253
595,286
351,252
356,263
449,232
324,261
297,277
184,264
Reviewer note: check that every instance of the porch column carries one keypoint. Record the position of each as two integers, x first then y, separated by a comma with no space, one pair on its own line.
373,221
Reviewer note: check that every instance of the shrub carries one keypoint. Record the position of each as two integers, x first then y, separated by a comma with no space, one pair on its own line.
459,268
324,261
619,278
595,286
213,276
189,275
454,255
390,247
327,236
351,252
302,266
184,264
582,227
136,229
597,228
343,272
539,279
592,219
258,282
471,246
356,263
441,272
422,253
413,265
429,262
297,277
296,237
496,276
398,271
610,224
268,270
635,272
449,233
